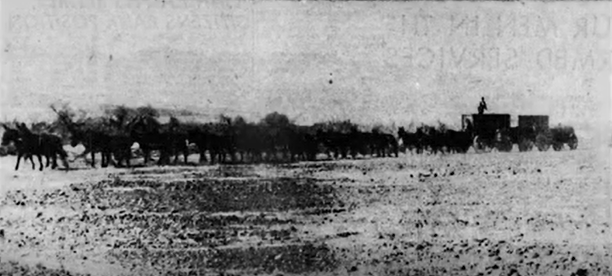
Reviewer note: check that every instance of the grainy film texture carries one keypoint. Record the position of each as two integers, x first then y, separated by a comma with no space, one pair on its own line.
188,137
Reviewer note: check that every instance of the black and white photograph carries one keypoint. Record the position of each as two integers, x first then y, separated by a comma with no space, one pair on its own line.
269,137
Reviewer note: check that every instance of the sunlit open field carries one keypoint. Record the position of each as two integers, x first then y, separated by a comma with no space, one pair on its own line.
474,214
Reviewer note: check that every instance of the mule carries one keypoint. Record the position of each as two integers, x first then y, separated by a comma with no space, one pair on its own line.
29,144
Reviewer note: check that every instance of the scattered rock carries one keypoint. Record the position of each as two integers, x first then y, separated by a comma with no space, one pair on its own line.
346,234
580,272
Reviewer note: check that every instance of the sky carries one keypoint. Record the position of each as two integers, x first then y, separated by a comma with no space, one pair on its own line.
370,62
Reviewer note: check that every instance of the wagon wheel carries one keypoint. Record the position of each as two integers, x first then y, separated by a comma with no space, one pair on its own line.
557,146
542,142
481,145
504,144
525,145
572,143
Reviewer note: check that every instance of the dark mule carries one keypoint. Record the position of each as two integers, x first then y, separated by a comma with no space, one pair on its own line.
410,140
146,131
460,141
457,141
29,144
121,148
336,143
168,139
384,144
53,147
94,139
91,134
392,147
24,150
430,138
249,142
178,136
197,134
359,143
107,144
302,144
223,139
120,143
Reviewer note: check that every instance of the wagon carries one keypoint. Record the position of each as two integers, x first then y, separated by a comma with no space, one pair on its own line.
534,130
489,131
531,130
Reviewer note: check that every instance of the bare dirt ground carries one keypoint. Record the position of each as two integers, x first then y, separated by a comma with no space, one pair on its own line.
475,214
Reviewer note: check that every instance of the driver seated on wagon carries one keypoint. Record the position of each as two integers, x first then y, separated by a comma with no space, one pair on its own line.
482,106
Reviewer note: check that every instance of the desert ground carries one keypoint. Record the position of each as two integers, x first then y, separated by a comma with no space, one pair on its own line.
535,213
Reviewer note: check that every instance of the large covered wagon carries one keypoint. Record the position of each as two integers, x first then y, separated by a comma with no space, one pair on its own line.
488,131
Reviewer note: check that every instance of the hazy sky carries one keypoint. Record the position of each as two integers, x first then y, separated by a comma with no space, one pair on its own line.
365,61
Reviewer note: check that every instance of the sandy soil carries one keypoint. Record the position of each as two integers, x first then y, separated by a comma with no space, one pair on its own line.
475,214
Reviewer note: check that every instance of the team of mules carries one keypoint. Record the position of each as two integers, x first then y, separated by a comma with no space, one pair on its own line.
436,140
228,141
